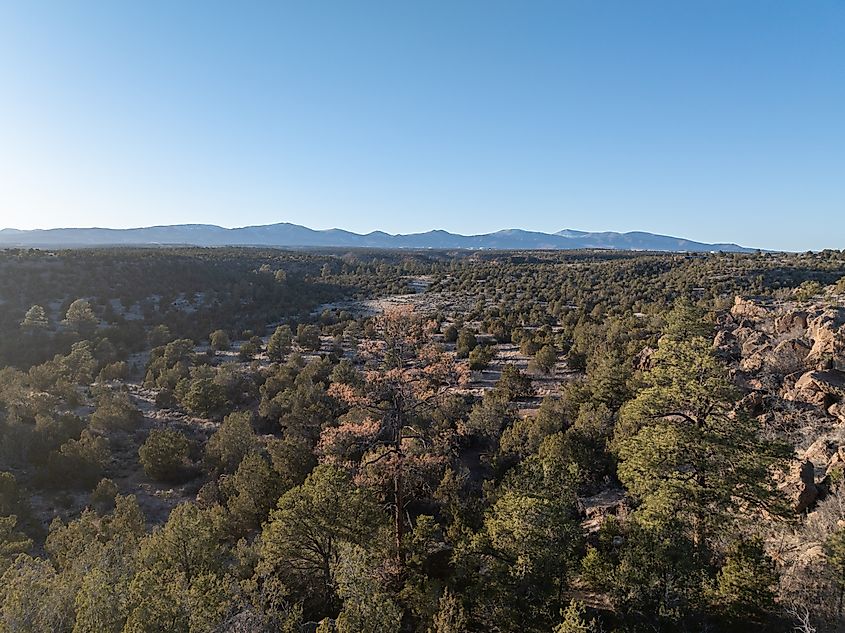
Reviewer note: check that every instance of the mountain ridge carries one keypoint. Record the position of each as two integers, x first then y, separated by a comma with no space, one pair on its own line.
286,234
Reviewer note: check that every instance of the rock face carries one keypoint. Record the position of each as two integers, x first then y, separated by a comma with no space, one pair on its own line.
819,388
748,309
827,335
791,363
793,322
775,344
821,453
598,507
645,359
788,356
799,485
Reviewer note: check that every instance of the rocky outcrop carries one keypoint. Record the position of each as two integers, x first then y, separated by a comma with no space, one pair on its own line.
790,363
752,404
821,453
748,309
598,507
799,485
788,356
838,411
793,322
645,359
819,388
825,330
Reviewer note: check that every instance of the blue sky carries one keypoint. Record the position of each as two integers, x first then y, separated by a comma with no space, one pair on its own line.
717,120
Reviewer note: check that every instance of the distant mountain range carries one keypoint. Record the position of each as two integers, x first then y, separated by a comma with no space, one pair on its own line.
293,235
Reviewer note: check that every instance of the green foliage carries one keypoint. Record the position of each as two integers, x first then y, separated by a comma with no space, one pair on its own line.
248,350
104,495
345,373
807,290
451,616
745,585
546,359
501,530
308,337
835,549
251,493
647,569
114,412
575,620
78,463
12,541
81,318
693,459
35,319
96,605
608,374
164,455
219,340
525,435
279,344
513,384
78,366
180,585
32,598
480,357
367,606
113,372
527,548
202,396
465,343
301,543
489,417
170,363
189,544
231,442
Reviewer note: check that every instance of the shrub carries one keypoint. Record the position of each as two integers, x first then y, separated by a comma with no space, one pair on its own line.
220,340
466,343
480,357
164,455
78,462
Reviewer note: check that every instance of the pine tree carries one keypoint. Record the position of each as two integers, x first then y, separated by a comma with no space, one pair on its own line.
35,319
685,452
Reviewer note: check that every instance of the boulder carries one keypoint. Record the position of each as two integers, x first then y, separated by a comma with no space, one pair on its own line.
819,388
748,309
837,410
725,342
799,485
830,382
788,356
755,346
752,364
793,322
645,359
597,508
743,333
820,453
825,330
756,343
753,404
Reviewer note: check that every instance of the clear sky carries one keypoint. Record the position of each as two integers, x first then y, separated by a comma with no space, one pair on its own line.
717,120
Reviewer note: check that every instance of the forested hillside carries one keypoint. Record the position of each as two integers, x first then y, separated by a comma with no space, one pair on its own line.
238,440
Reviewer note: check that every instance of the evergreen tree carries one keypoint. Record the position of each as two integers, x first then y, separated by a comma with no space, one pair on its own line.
35,319
279,344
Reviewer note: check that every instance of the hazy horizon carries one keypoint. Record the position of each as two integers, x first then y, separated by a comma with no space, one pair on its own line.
712,121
